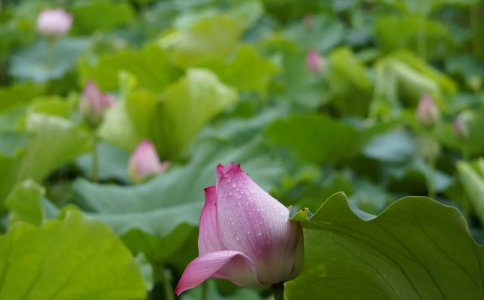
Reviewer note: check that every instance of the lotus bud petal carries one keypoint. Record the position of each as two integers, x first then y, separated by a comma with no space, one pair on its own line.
427,112
144,162
94,103
245,235
54,22
315,62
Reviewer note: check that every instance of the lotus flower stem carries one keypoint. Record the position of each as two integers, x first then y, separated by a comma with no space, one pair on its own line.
95,159
474,17
465,153
50,54
431,169
204,291
278,290
421,45
167,287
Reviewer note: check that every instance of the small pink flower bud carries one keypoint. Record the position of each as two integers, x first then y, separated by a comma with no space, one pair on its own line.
245,235
54,22
93,104
461,129
144,162
315,62
427,112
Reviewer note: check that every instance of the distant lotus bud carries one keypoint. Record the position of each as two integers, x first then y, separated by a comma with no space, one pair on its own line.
54,22
308,21
315,62
245,236
93,104
427,112
461,129
144,162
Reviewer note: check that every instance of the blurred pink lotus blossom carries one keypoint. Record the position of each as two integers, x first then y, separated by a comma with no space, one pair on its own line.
144,162
315,62
54,22
245,235
93,103
427,112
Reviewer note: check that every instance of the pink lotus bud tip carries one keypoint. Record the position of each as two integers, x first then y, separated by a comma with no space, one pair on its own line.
427,112
144,162
94,103
461,128
314,61
54,22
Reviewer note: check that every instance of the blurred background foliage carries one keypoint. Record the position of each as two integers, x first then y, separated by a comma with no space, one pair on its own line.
215,81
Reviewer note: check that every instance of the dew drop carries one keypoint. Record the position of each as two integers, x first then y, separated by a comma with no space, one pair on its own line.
233,185
237,238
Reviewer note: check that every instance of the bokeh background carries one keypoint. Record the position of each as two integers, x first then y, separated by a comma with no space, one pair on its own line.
310,97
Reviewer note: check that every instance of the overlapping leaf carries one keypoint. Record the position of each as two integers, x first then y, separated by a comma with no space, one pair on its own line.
320,138
72,258
54,141
415,249
171,119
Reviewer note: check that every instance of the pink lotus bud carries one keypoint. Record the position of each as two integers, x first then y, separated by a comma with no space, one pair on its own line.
245,235
93,103
315,62
461,129
427,112
54,22
144,162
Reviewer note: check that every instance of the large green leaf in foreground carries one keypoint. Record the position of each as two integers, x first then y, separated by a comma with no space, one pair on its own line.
415,249
473,182
71,259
